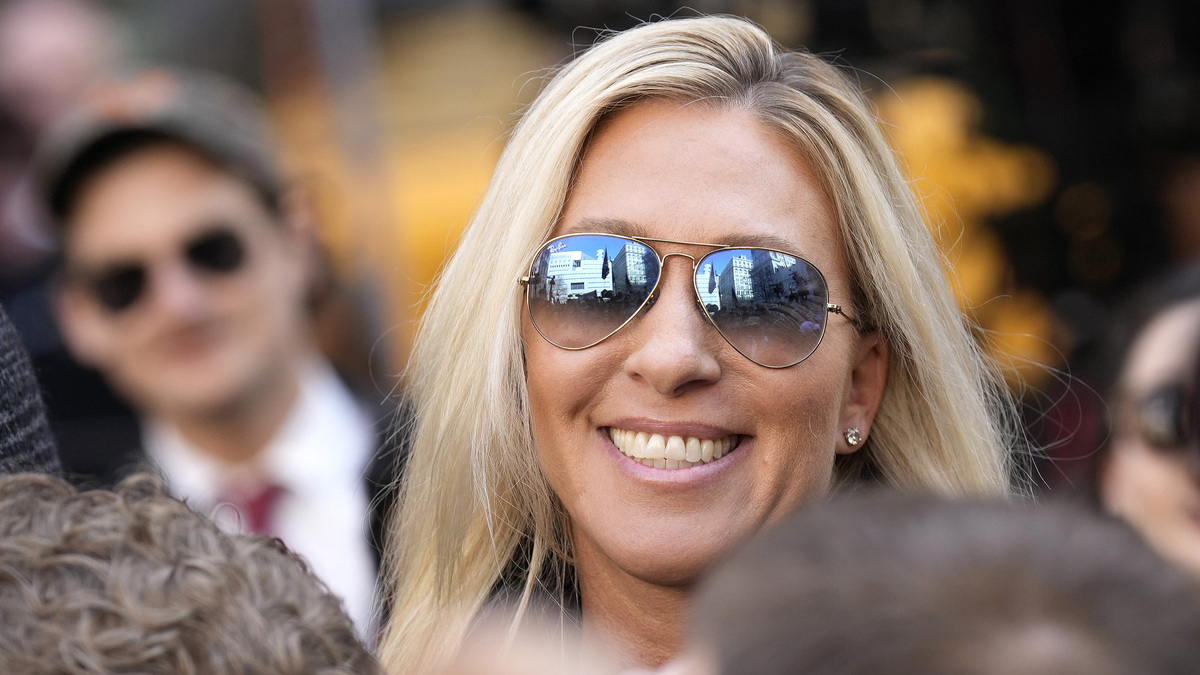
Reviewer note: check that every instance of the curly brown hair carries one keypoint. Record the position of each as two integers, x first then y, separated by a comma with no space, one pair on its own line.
135,581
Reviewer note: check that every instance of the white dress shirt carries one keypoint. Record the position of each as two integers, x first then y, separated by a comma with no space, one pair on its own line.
318,456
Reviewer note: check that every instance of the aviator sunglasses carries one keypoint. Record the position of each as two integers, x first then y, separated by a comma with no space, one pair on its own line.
118,287
771,306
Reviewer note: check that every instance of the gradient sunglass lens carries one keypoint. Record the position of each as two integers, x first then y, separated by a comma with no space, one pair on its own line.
582,288
771,306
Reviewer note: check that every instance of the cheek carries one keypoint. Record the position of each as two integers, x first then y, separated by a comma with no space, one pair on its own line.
125,360
805,400
1146,489
133,368
556,396
268,281
798,416
564,390
267,299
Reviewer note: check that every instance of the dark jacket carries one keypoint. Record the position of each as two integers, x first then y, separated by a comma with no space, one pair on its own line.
26,444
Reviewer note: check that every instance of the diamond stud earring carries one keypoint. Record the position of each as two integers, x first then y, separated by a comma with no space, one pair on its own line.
853,437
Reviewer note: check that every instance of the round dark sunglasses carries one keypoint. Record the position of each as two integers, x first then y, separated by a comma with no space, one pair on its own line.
119,286
771,306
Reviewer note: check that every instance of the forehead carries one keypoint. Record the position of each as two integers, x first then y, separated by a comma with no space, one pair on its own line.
153,198
1165,351
700,173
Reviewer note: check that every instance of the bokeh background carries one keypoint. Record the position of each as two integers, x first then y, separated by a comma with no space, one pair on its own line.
1055,143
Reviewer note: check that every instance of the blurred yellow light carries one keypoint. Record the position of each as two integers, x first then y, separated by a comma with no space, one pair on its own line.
963,178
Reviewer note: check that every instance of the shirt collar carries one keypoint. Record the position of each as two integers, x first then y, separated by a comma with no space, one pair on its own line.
326,438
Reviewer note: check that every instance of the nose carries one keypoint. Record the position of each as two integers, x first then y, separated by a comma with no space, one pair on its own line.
674,348
174,288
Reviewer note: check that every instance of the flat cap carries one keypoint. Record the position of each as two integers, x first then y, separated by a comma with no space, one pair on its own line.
215,116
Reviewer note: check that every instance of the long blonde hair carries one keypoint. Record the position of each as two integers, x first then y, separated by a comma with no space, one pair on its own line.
473,498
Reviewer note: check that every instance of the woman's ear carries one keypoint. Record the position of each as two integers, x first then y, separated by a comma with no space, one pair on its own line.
867,381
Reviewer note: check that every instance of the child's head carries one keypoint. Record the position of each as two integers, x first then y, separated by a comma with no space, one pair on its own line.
135,581
913,584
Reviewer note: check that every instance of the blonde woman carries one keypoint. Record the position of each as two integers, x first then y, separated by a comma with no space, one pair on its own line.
697,295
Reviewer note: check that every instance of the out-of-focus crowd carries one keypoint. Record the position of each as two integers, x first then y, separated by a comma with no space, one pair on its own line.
203,449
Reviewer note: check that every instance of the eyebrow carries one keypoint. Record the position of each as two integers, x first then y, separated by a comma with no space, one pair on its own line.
626,228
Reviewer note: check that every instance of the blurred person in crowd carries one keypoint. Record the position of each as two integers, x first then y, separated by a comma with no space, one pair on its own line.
184,279
51,52
25,441
919,585
698,295
1149,474
134,581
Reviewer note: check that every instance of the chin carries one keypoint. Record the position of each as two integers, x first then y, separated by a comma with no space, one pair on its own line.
187,397
666,559
673,572
212,383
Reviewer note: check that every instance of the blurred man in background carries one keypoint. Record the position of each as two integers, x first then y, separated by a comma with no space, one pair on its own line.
186,269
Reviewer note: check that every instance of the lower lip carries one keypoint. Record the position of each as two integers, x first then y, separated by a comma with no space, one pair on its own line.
689,477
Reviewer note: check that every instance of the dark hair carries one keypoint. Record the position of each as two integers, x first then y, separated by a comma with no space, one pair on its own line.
135,581
1139,310
889,583
62,198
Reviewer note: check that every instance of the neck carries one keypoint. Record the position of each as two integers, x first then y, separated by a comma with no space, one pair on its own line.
239,431
642,622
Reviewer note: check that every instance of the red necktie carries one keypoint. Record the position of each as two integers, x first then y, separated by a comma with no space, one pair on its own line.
257,507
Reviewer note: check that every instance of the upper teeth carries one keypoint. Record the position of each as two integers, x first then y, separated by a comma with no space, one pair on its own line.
670,452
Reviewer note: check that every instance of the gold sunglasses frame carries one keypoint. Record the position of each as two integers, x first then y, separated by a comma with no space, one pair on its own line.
830,307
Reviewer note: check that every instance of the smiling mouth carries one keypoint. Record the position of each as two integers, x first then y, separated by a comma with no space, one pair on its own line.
671,452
